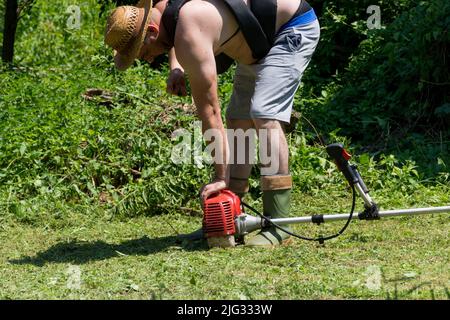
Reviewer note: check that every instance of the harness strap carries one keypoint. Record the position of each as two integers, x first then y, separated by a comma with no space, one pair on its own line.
266,13
170,18
254,32
251,29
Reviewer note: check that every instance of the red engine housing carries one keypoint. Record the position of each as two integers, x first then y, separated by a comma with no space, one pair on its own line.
219,212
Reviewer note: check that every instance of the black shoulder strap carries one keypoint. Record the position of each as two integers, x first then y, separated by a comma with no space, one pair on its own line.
252,30
170,18
257,25
265,12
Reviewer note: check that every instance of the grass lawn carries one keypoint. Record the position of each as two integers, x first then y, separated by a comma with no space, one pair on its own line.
93,257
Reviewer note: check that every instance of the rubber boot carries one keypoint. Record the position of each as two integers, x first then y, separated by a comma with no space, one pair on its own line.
275,205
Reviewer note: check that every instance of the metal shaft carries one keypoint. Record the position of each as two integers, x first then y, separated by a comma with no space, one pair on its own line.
345,216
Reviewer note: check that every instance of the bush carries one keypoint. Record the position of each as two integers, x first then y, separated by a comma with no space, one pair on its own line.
396,82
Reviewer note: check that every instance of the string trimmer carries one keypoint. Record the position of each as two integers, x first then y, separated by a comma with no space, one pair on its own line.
225,222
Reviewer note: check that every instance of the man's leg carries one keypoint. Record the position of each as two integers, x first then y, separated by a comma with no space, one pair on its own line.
243,147
277,78
276,182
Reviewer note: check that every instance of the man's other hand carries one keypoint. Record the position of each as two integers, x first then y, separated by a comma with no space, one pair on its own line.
176,83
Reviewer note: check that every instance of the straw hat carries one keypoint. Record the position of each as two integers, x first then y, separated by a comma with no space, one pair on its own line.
125,32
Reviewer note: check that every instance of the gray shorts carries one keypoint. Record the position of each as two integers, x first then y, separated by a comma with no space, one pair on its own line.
266,89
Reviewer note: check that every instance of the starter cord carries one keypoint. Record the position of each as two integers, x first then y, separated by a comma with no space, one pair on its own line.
320,239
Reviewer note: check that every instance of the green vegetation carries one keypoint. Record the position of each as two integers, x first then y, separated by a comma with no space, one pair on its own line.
88,182
389,88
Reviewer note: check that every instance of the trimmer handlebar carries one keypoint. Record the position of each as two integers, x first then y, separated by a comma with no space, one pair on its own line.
341,157
350,172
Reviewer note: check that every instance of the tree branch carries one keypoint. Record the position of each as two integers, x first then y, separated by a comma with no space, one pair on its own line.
24,7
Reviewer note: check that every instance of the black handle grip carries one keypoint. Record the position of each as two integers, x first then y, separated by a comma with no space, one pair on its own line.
340,156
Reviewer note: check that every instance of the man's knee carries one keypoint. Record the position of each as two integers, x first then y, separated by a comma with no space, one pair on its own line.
239,123
268,124
273,148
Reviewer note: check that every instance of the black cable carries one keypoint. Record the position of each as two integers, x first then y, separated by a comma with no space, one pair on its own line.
321,240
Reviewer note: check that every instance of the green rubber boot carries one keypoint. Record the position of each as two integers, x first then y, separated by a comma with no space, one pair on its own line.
276,205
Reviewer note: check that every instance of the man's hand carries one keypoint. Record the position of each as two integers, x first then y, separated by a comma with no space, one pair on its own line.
176,84
214,187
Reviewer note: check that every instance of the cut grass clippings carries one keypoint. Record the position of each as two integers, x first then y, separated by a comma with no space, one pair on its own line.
139,258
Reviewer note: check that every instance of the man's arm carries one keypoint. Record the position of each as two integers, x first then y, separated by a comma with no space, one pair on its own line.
194,47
